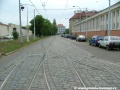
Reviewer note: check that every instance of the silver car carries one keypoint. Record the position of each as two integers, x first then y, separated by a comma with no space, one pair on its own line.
81,38
110,42
8,37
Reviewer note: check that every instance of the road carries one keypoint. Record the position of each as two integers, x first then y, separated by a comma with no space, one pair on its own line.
57,63
112,55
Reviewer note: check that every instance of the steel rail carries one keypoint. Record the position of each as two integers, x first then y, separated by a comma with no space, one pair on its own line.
77,74
45,75
1,87
109,70
36,73
7,70
74,70
105,67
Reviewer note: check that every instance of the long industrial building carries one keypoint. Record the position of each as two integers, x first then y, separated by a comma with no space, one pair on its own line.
97,23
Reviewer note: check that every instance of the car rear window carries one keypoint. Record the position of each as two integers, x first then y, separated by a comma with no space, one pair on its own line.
114,38
100,37
82,36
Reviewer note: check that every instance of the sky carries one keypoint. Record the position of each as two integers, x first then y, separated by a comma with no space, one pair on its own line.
60,10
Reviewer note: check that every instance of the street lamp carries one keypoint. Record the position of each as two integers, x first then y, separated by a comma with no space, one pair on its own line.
80,18
86,25
27,21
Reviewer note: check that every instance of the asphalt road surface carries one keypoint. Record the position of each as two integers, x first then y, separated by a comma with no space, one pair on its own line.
57,63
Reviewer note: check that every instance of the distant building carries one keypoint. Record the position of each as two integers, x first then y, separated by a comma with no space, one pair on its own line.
61,29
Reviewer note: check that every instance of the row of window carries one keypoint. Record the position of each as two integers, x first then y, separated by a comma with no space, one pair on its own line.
101,22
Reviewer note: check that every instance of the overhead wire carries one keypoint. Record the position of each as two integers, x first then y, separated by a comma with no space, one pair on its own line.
64,9
34,6
44,4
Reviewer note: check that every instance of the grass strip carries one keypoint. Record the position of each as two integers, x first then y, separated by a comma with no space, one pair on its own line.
12,45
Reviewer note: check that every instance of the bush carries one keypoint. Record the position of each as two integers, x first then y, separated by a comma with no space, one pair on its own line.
15,35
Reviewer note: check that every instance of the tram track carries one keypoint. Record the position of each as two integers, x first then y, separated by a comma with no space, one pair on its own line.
40,64
104,66
75,71
4,82
99,65
12,68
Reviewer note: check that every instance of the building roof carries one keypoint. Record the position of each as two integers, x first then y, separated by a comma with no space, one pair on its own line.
83,14
59,25
3,24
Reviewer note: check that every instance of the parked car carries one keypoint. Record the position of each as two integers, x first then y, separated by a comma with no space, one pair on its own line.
62,35
110,42
94,40
8,37
81,38
73,37
67,36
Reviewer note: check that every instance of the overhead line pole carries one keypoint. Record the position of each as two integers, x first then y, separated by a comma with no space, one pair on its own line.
34,24
86,25
21,36
109,20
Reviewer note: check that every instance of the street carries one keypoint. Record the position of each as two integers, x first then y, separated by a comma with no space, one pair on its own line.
57,63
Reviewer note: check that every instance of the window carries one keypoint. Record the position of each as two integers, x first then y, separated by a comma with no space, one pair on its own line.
117,26
114,25
114,14
117,12
106,39
114,38
14,29
93,24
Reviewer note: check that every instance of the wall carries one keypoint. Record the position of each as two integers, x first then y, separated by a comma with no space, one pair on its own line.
3,30
101,33
8,29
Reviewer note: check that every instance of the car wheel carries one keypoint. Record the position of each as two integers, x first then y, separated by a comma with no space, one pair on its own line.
95,44
89,43
119,48
107,47
99,46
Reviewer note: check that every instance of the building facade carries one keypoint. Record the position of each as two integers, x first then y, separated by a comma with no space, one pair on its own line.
61,29
8,29
77,18
98,23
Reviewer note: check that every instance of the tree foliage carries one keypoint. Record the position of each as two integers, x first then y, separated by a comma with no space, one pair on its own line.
23,27
15,35
54,27
43,26
66,31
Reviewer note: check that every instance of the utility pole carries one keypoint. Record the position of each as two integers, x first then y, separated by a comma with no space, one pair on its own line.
27,26
109,20
34,24
86,25
21,36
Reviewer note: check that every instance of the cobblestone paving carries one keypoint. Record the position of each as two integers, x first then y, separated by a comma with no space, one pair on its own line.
94,71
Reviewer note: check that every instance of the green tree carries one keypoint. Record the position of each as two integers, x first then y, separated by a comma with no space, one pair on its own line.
38,25
15,35
43,26
66,31
54,27
23,27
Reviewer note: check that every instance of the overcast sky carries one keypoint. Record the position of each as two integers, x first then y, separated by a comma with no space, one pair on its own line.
61,10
